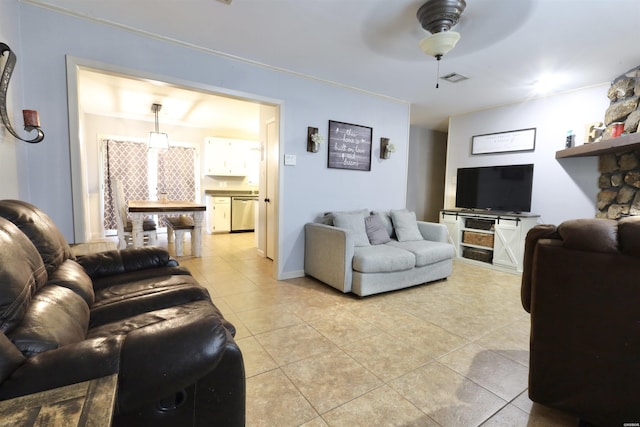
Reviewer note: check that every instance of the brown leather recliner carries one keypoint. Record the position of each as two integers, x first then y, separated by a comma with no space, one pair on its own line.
133,312
581,284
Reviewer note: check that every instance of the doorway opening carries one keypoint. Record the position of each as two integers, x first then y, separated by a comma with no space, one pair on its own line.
104,100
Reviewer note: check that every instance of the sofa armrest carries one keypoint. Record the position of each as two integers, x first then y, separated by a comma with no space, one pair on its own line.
328,255
433,231
184,348
109,263
540,231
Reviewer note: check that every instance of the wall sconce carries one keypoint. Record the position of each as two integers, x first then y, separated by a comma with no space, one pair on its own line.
386,148
31,119
314,139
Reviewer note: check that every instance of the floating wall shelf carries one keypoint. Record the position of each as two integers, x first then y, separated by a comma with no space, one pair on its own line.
620,144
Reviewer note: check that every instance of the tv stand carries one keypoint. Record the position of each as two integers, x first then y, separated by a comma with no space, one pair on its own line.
489,237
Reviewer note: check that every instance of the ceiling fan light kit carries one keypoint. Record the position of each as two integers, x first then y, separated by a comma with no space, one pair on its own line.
439,44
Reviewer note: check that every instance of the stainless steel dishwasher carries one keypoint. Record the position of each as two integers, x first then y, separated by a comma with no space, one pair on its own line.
243,213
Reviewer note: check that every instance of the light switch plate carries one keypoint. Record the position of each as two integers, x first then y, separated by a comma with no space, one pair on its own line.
290,159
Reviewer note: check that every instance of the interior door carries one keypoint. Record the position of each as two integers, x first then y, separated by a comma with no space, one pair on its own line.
270,198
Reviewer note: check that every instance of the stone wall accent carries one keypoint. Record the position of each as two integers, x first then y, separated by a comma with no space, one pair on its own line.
619,180
619,185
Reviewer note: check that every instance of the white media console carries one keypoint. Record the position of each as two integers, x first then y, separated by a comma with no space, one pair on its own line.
489,237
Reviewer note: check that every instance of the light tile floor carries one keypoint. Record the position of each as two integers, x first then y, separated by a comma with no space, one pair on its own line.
450,353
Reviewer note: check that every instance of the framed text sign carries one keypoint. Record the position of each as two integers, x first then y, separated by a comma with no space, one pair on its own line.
501,142
349,146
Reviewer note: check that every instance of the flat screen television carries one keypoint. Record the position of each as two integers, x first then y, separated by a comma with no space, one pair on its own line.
496,188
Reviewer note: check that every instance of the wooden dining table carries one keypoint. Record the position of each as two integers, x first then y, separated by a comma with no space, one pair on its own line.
138,209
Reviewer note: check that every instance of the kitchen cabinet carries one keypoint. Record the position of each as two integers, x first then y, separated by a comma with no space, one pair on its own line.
218,214
226,157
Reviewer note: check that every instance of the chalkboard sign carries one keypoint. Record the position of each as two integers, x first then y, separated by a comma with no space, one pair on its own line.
349,146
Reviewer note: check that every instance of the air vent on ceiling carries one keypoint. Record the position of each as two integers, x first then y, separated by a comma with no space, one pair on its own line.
454,77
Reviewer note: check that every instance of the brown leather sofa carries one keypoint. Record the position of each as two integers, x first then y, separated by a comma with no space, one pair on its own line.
581,284
133,312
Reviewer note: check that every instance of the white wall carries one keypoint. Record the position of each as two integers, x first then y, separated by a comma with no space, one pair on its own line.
307,189
562,189
425,183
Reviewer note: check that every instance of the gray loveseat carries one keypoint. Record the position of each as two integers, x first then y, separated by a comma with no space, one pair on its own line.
368,253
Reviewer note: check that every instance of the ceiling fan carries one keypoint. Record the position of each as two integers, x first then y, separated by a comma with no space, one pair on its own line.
394,29
438,17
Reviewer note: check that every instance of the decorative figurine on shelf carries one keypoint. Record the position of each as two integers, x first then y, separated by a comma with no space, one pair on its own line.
593,132
570,139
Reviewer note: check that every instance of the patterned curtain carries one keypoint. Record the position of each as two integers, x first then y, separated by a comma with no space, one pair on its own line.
129,162
176,173
126,161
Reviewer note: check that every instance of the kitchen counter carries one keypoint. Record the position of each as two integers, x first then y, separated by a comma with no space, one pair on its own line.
230,193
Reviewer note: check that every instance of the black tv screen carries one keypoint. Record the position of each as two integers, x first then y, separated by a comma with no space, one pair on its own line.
497,188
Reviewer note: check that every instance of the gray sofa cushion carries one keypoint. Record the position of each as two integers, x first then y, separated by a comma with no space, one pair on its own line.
353,221
386,219
382,259
425,251
405,225
376,230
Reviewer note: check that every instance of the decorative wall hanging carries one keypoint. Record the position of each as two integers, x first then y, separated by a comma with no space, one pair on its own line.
386,148
314,139
502,142
349,146
31,119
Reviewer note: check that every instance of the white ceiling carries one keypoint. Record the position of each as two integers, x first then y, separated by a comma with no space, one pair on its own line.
372,45
131,98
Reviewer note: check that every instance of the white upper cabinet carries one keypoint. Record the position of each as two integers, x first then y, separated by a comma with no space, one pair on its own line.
227,157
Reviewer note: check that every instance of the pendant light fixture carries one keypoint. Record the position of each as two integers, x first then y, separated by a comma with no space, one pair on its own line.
157,140
438,17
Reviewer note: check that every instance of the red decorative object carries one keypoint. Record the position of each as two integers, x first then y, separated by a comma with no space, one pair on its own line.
31,118
617,129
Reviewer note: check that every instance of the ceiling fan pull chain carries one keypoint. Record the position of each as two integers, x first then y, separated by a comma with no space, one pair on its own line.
438,72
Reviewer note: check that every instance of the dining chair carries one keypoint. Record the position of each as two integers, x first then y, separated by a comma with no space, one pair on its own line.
177,226
123,223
